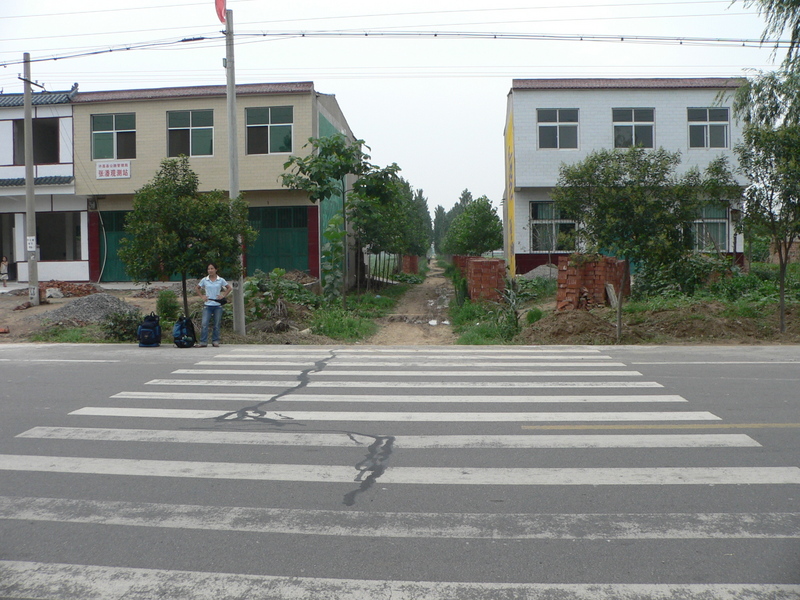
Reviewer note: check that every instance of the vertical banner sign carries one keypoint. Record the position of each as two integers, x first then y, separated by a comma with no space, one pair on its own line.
220,10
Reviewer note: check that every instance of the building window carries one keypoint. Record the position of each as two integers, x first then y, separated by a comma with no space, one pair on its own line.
633,127
190,132
558,127
708,127
269,129
114,136
59,235
46,141
710,232
549,232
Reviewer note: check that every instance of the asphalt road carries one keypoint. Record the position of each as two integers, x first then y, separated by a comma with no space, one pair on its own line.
362,473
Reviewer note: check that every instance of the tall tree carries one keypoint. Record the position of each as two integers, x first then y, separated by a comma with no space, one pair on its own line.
175,230
477,229
768,157
322,175
439,228
780,16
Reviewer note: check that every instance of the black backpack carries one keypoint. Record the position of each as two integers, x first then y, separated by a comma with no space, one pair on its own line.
183,333
149,332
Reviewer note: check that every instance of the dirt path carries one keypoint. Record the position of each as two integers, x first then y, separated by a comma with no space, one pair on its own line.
420,318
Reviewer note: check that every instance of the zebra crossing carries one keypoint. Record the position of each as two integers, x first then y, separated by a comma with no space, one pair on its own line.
419,421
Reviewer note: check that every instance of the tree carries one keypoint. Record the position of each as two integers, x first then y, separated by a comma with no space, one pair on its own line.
770,158
175,230
780,15
322,175
439,228
477,229
633,205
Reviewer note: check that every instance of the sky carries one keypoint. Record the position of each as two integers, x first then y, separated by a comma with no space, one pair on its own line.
417,80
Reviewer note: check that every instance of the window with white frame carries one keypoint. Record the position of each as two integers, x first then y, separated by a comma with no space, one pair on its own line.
190,132
710,231
114,136
633,127
269,129
558,127
708,127
549,232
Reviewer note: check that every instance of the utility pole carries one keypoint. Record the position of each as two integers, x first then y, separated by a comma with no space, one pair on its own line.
30,198
233,164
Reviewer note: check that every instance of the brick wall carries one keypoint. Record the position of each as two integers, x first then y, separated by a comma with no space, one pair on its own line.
485,278
410,264
584,286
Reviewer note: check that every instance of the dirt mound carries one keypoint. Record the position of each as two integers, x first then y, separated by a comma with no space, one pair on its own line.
711,323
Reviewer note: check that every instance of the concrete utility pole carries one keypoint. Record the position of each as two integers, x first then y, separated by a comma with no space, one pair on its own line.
30,198
233,163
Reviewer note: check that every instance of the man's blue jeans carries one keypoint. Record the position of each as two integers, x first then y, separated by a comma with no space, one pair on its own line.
208,313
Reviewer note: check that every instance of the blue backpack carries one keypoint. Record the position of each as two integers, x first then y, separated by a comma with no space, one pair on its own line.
149,332
183,333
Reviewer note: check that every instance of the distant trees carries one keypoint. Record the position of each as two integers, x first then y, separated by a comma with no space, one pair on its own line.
455,234
475,229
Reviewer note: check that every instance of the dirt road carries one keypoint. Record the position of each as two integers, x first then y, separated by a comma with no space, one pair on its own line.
420,318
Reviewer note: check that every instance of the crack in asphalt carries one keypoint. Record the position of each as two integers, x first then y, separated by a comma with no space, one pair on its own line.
378,453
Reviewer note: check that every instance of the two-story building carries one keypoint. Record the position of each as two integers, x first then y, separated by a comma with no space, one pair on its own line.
62,220
550,122
93,150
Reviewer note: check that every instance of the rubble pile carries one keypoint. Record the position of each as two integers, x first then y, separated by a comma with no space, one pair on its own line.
90,309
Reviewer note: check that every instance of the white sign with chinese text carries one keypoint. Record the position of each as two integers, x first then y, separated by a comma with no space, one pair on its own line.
117,169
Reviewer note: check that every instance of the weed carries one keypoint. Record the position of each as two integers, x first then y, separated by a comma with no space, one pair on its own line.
89,334
339,324
533,315
121,326
167,305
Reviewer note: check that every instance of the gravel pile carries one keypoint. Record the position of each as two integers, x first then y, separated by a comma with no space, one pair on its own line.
89,309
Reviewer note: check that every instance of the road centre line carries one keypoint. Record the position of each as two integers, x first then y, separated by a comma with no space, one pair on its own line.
404,384
79,582
403,442
410,397
289,521
404,475
681,426
471,373
435,417
429,364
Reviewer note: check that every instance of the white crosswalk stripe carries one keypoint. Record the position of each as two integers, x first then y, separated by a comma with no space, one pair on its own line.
497,387
82,582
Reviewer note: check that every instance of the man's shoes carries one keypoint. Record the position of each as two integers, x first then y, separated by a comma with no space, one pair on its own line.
203,345
215,344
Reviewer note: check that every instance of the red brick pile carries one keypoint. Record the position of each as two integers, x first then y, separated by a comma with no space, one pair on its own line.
485,278
583,285
67,288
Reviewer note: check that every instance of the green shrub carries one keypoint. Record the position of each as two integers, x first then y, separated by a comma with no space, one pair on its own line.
167,306
408,278
533,315
267,295
121,326
339,324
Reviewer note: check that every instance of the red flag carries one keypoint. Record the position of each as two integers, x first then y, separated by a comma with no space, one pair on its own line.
220,10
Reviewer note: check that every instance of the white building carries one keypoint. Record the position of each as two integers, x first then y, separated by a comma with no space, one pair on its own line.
61,216
554,121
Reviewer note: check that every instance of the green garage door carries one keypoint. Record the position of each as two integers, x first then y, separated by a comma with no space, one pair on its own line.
112,230
282,239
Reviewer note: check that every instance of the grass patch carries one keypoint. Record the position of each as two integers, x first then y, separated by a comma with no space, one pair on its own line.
478,323
339,324
90,334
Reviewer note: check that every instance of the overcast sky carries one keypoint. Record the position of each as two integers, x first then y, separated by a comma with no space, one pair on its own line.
435,105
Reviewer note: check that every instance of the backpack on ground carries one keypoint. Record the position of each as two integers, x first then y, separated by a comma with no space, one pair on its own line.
149,332
183,333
